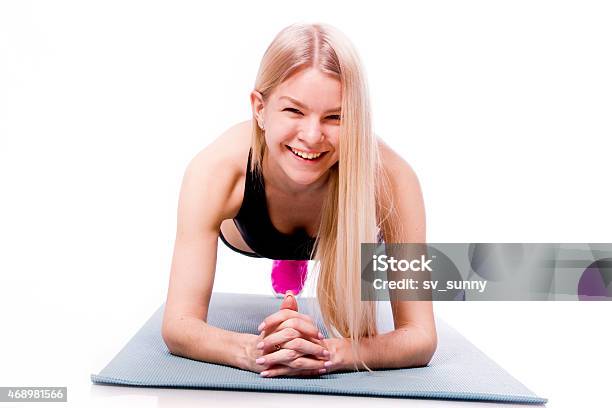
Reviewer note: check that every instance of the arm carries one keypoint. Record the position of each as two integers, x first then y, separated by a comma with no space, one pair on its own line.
203,204
414,340
400,348
199,341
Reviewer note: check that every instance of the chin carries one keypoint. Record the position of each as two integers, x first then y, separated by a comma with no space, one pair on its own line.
304,180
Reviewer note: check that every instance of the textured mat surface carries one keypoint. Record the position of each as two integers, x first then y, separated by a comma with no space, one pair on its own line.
458,370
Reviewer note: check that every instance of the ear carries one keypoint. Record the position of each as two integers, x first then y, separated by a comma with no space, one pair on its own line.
257,105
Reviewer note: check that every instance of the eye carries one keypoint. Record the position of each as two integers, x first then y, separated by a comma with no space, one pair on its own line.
334,117
292,110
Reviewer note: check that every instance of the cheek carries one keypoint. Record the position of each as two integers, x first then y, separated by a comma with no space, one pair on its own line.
333,137
280,130
276,141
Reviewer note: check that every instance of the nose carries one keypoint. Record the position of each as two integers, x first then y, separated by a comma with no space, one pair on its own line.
312,133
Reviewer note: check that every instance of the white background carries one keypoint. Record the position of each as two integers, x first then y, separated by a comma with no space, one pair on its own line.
502,108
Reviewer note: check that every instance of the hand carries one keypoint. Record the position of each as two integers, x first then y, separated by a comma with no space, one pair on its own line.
292,344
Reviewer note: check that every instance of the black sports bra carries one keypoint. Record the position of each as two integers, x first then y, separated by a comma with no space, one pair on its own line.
254,224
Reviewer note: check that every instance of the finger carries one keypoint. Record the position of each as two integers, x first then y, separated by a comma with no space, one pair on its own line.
292,339
307,348
307,328
291,372
281,356
307,363
270,322
293,359
289,302
277,339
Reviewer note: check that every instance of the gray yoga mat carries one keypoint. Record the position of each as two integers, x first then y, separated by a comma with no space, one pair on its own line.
458,369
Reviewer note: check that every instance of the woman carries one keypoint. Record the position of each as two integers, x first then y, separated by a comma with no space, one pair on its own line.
306,178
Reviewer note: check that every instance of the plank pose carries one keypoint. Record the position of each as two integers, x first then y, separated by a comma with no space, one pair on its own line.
304,179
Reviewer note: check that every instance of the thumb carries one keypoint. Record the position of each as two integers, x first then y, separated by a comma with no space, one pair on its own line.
289,302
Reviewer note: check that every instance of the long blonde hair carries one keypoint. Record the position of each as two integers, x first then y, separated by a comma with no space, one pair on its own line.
349,213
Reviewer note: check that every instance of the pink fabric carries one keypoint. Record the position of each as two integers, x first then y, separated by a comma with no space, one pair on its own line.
289,275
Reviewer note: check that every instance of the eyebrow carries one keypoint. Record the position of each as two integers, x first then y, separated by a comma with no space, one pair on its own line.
301,105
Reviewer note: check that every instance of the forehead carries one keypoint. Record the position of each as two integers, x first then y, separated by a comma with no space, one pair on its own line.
312,87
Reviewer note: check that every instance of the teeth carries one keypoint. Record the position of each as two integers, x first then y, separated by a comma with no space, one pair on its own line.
305,155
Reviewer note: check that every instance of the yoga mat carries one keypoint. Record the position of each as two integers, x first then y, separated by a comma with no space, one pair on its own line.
458,370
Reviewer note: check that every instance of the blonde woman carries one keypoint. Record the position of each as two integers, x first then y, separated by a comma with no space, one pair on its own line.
306,178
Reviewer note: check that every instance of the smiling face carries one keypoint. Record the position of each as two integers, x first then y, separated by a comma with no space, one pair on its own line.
301,119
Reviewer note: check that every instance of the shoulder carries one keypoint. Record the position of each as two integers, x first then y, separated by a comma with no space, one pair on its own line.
230,148
398,170
404,197
220,167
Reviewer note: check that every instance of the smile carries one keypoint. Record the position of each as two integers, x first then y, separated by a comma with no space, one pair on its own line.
305,155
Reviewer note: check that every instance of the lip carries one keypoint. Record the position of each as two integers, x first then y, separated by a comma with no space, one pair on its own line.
307,161
302,150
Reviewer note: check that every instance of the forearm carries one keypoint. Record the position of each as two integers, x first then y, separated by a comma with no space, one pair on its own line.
195,339
400,348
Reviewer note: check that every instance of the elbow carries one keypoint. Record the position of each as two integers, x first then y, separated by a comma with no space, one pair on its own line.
424,345
428,347
170,337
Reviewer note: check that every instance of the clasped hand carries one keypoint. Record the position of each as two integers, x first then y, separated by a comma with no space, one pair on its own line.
289,344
